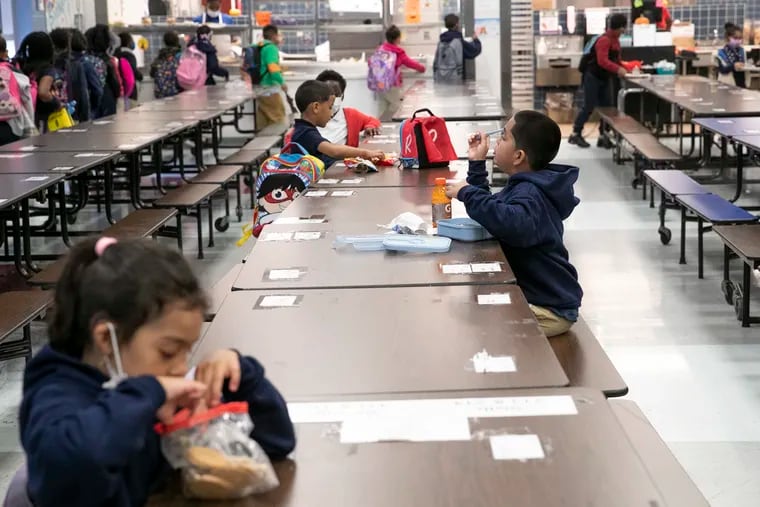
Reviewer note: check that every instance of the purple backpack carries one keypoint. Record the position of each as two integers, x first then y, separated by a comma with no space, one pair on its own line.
382,74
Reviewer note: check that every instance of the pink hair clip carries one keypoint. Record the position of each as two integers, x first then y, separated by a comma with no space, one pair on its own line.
102,245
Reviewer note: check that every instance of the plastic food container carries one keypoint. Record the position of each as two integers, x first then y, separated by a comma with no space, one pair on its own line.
417,244
462,229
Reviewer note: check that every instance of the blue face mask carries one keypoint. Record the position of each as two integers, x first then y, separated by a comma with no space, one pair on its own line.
132,46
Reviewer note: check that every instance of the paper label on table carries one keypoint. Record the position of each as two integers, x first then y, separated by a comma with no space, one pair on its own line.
27,148
361,430
725,122
102,122
308,236
37,178
328,181
752,131
277,301
483,362
300,220
127,146
62,168
284,274
343,193
719,110
486,267
504,406
174,124
516,447
354,181
494,299
316,193
278,236
456,269
3,200
90,155
15,155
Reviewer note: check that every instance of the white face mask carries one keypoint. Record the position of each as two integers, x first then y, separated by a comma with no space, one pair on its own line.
212,14
337,106
116,375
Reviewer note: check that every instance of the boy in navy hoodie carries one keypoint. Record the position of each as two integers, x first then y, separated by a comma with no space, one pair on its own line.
526,216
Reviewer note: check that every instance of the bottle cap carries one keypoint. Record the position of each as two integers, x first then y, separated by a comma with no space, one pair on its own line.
440,181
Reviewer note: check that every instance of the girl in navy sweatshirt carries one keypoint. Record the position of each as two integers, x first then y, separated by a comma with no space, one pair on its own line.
126,317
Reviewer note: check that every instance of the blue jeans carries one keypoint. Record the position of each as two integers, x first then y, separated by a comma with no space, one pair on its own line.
596,93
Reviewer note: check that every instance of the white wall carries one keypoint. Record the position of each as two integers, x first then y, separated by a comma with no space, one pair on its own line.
487,65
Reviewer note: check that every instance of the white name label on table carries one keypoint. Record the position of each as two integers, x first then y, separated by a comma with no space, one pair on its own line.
343,193
127,146
307,236
28,148
486,267
354,181
102,122
719,109
725,122
483,362
360,430
284,274
278,236
512,406
90,155
456,269
516,447
316,193
3,200
15,155
37,178
62,168
494,299
328,181
299,220
278,301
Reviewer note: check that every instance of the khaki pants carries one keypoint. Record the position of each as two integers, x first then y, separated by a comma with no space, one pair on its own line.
550,323
390,101
270,110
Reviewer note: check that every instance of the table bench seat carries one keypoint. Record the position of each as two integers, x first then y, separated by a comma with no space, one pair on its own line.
191,197
244,157
742,241
585,362
262,143
19,310
140,223
218,174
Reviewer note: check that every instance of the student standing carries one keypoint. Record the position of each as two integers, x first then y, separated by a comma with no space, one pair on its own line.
604,65
202,43
452,51
270,108
390,100
526,216
163,70
99,43
70,82
732,58
90,65
126,52
35,56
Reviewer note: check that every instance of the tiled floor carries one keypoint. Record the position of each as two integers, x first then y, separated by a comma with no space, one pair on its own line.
690,366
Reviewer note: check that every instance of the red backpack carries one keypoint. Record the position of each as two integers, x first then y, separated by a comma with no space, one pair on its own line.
425,142
10,93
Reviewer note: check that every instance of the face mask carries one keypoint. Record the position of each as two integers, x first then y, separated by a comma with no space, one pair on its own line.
734,43
337,105
132,46
116,374
212,14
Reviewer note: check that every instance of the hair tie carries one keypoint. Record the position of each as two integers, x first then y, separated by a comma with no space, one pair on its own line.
102,245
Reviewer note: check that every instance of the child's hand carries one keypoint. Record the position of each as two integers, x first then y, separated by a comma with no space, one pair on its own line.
478,145
180,393
371,132
453,188
214,369
739,66
373,155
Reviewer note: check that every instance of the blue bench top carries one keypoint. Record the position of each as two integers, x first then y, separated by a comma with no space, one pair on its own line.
674,182
730,127
715,209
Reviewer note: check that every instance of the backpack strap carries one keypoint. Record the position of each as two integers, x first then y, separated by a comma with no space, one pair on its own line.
290,144
424,110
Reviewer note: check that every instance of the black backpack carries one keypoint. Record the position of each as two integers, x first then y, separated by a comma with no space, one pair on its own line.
588,58
252,63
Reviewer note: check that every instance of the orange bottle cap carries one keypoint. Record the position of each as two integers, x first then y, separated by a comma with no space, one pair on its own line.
440,181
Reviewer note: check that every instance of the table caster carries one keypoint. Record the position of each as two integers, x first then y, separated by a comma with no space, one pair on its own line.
728,288
222,224
665,235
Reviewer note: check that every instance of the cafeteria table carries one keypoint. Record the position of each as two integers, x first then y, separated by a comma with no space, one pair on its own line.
528,448
339,176
388,340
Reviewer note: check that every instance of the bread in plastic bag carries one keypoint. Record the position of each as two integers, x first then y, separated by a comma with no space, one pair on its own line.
218,458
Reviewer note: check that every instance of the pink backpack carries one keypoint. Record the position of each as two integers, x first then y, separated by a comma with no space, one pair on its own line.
383,74
127,77
191,73
10,93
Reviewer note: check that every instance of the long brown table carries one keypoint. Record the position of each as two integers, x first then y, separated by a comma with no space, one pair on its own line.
387,340
532,448
338,176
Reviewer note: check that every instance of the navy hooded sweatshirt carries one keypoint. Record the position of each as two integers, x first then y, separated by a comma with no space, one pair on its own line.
90,446
471,49
526,217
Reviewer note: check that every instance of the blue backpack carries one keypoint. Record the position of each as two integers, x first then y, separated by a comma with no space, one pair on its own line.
165,82
252,62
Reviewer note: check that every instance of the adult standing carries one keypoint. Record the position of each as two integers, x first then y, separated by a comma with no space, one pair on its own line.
452,51
212,15
603,64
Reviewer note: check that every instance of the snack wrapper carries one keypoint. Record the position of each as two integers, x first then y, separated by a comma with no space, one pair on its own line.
218,458
360,165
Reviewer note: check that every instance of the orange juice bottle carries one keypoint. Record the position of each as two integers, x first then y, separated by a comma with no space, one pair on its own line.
441,203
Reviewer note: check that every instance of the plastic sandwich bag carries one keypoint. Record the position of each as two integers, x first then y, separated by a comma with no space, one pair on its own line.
218,458
407,223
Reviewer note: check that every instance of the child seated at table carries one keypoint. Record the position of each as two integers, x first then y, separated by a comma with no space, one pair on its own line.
526,216
347,125
315,101
732,58
126,317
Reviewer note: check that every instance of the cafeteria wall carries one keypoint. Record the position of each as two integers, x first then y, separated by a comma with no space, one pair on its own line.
26,18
